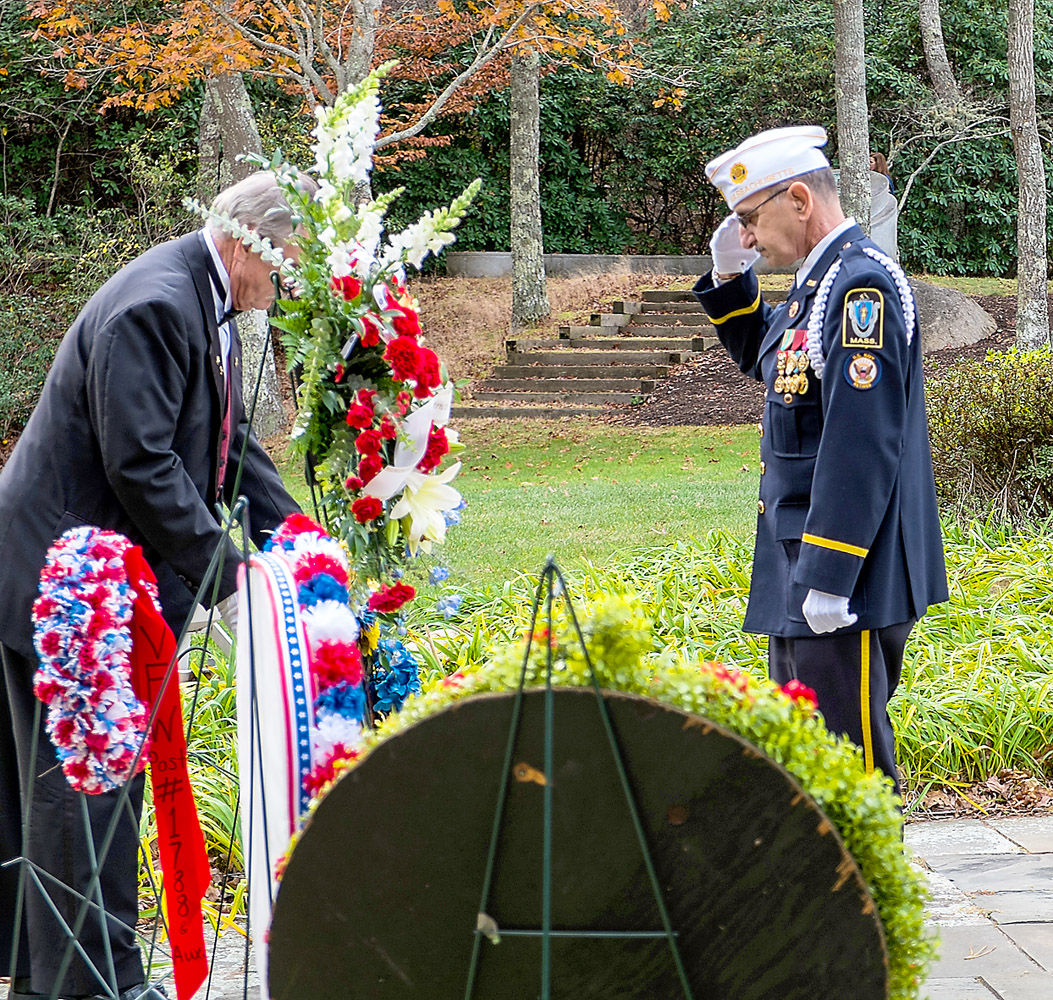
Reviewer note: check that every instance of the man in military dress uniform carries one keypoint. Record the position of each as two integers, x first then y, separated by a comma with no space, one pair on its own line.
848,553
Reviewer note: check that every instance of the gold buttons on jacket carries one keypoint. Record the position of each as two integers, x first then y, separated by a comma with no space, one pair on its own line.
762,468
760,506
760,430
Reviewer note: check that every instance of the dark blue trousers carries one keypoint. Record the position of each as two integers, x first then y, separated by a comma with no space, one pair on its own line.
854,674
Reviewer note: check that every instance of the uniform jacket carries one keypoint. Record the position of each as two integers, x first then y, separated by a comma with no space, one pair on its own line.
126,437
847,501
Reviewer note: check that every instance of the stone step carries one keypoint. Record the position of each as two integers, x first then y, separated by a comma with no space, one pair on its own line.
669,319
667,295
518,411
583,357
526,396
613,370
672,307
568,385
635,343
608,319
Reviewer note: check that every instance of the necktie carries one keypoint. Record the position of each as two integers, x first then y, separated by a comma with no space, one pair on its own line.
224,433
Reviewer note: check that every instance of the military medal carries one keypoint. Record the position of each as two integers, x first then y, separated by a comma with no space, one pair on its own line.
795,308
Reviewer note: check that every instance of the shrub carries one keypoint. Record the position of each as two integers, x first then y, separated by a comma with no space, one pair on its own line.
992,434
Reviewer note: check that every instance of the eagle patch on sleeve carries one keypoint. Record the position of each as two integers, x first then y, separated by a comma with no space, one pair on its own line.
862,324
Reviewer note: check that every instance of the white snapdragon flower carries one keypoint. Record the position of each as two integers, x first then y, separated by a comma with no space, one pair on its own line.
417,241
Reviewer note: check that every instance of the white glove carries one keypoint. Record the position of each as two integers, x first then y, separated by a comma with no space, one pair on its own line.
228,611
826,612
729,255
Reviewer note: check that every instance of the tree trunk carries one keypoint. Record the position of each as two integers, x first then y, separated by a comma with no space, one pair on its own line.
853,129
529,291
939,66
227,130
1032,317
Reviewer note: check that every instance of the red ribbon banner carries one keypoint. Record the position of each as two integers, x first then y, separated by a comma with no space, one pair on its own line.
185,869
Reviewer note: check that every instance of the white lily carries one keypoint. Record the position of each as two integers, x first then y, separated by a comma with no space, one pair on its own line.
425,499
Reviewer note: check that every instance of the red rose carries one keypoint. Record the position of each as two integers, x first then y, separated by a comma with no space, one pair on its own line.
406,321
403,355
359,416
371,329
368,442
368,467
388,599
367,509
800,693
348,286
437,447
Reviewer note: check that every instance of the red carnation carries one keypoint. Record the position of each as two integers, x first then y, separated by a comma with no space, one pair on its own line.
428,374
402,402
334,662
297,524
368,442
369,466
437,447
371,330
353,483
367,509
388,599
359,416
388,429
348,286
800,693
403,355
406,321
319,562
338,375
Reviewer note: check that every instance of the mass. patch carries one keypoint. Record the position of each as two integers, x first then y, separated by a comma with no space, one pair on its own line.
862,371
862,324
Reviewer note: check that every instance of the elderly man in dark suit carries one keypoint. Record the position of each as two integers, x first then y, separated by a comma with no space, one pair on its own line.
139,429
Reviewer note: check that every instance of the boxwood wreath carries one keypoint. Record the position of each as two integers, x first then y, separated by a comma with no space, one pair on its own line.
781,723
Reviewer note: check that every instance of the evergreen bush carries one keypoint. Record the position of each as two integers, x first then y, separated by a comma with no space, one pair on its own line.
991,427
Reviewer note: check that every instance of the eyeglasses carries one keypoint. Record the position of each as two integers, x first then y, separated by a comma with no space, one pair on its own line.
750,218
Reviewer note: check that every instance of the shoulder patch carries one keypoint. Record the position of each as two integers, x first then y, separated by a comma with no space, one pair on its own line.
863,320
862,371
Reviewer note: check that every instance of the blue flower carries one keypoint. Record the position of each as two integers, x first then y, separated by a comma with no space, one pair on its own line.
449,605
395,677
322,587
345,698
438,574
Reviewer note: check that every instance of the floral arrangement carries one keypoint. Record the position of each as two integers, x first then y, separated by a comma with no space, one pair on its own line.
346,697
781,722
373,400
82,634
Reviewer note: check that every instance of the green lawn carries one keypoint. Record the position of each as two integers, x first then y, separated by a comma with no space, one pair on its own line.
587,492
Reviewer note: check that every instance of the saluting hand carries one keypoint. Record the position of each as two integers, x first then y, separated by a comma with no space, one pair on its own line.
729,255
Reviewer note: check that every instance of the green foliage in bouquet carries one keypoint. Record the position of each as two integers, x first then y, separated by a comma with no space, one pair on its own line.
780,722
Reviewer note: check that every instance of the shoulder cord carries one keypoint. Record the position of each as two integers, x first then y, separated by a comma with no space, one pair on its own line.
818,313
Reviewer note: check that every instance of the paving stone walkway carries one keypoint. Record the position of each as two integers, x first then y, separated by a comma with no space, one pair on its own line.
992,907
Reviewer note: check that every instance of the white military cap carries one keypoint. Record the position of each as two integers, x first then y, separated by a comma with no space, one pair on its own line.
765,159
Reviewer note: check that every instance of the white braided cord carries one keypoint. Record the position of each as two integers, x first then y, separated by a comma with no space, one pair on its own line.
816,357
817,316
906,295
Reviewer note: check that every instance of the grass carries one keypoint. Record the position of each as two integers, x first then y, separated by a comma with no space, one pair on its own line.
588,492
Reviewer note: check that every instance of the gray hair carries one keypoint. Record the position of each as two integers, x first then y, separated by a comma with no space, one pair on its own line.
258,203
822,182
